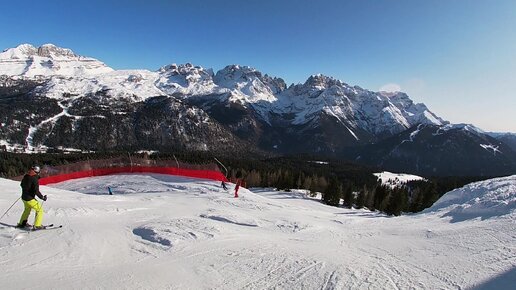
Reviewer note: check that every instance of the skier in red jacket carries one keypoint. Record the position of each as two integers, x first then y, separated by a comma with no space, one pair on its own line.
237,186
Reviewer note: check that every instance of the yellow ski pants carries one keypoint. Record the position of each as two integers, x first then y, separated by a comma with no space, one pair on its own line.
32,205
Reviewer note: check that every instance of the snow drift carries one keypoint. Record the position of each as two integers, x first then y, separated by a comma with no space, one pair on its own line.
485,199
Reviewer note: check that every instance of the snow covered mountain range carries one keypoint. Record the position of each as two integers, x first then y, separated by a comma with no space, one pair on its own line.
74,96
48,60
360,109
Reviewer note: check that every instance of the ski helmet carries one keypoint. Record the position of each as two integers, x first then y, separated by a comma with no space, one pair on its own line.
36,168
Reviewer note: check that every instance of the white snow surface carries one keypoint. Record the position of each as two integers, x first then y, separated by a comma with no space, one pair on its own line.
167,232
490,147
396,179
473,200
466,127
128,84
47,60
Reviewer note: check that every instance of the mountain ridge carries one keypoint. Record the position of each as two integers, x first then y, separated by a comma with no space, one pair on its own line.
323,115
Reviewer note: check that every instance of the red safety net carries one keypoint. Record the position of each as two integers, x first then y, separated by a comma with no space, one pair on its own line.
90,168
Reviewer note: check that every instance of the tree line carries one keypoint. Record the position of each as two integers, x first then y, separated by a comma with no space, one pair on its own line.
345,184
341,183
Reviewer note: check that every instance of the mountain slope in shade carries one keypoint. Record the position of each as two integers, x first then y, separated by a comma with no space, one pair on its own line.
440,150
507,138
100,123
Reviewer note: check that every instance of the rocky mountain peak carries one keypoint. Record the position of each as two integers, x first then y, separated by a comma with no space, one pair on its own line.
185,79
184,69
46,61
235,75
27,51
52,51
21,51
322,82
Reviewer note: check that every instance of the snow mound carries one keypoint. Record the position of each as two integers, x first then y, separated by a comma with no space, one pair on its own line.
484,199
151,236
176,231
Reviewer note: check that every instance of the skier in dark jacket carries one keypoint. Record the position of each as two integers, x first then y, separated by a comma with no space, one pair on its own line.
30,188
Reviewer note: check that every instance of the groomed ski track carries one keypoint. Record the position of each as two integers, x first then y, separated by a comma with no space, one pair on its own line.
167,232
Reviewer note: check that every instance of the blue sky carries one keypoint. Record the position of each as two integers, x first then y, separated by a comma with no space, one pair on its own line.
457,57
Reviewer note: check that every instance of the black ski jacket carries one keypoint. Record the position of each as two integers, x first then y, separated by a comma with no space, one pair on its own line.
30,187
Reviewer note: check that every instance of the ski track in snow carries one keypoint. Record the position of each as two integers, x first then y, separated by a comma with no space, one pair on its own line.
171,232
33,129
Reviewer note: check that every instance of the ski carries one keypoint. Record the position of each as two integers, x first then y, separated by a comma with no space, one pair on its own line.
32,229
47,227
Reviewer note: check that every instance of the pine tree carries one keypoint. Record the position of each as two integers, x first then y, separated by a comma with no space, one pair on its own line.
383,206
287,181
416,202
396,201
349,198
370,196
380,197
253,179
430,195
300,180
307,183
333,193
322,184
361,198
313,184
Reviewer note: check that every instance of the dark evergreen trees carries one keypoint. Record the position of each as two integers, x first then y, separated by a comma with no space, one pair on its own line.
336,179
348,195
333,193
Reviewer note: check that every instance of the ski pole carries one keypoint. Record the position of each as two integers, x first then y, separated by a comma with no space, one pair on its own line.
42,203
222,166
9,208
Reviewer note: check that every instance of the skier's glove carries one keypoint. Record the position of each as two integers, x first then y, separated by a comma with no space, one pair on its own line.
44,197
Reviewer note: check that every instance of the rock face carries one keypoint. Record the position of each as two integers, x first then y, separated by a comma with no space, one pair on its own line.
52,98
95,122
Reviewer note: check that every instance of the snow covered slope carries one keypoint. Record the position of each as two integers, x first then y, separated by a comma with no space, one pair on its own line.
47,60
169,232
485,199
396,179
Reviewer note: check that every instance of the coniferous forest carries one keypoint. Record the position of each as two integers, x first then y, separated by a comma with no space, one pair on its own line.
341,183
